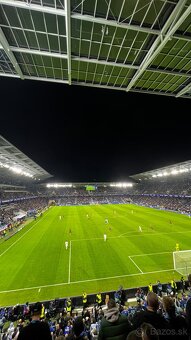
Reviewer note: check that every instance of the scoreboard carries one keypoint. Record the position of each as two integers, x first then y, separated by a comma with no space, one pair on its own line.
90,187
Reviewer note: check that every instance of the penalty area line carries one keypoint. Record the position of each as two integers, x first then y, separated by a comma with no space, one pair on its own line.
150,254
135,264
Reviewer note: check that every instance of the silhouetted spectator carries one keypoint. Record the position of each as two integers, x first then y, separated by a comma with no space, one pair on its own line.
36,329
151,316
79,329
176,323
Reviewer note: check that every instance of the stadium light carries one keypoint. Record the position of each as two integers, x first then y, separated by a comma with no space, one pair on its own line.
121,185
56,185
170,172
174,172
19,171
16,170
183,170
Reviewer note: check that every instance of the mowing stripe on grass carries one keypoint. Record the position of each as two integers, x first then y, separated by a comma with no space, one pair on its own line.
135,264
83,281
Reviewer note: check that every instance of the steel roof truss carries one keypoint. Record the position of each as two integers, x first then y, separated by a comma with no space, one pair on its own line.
68,38
168,30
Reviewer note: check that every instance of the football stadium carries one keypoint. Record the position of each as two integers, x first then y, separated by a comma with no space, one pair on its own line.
59,240
96,259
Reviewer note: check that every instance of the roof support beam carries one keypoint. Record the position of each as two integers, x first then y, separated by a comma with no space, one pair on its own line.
90,18
77,16
68,37
93,61
167,32
65,56
104,63
9,75
9,53
91,85
184,90
123,89
114,23
98,85
158,93
38,52
102,21
33,7
47,79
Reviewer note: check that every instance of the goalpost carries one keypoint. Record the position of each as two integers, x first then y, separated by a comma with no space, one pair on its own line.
182,261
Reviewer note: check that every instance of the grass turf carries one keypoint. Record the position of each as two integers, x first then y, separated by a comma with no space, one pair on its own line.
36,266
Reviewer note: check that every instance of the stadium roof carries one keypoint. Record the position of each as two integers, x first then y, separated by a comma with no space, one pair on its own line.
171,170
130,45
13,159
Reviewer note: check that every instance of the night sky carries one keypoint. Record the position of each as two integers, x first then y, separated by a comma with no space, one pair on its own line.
81,134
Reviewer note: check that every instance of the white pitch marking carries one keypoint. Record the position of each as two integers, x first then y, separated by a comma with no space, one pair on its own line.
128,232
139,235
69,267
20,238
164,252
136,265
83,281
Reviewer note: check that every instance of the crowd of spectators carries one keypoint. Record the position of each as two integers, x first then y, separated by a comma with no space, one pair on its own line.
178,204
171,185
166,315
170,193
9,212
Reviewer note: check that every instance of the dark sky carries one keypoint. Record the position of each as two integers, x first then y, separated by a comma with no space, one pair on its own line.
89,134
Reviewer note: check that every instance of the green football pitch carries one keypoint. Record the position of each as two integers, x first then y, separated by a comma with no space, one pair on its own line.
36,266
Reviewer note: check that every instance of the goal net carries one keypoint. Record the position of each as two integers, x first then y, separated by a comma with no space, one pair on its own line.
182,261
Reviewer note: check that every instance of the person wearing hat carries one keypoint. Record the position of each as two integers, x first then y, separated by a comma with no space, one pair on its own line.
36,329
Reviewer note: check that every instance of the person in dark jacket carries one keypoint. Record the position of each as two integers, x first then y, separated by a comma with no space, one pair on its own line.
176,323
151,316
188,315
114,326
36,329
78,331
